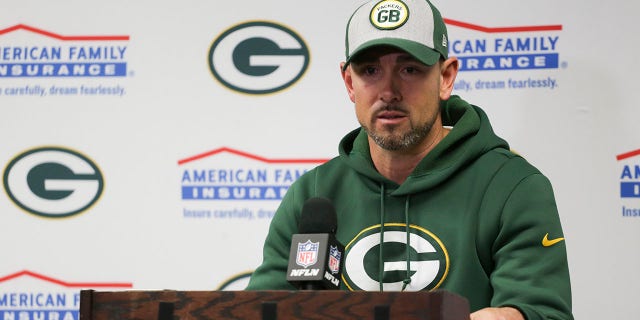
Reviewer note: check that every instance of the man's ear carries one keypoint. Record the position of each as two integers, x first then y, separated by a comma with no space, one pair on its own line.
448,73
348,80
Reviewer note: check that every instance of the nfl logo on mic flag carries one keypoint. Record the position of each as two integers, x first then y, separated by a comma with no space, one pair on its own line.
307,253
334,259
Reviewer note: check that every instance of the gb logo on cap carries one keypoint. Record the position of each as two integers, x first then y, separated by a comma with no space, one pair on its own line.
389,14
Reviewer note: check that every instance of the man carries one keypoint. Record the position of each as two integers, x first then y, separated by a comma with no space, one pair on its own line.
426,169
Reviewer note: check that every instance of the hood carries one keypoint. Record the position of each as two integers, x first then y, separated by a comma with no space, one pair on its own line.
470,137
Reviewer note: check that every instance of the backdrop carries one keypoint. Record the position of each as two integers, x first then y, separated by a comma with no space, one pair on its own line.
146,144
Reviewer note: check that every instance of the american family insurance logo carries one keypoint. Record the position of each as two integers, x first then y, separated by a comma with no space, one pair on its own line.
522,57
258,57
30,295
55,55
482,48
30,53
228,183
630,183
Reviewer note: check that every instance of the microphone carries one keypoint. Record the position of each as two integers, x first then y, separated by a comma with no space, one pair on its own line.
316,257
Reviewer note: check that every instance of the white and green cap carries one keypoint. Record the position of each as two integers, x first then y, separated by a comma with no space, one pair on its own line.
414,26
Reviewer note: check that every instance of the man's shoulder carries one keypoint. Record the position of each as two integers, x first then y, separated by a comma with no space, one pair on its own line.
509,159
333,166
505,167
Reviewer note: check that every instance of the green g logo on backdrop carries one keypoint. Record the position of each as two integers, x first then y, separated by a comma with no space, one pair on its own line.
53,182
258,57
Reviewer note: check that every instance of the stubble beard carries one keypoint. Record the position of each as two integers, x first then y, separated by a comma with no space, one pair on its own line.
398,141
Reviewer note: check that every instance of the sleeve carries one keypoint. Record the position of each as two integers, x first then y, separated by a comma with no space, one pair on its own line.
272,273
531,270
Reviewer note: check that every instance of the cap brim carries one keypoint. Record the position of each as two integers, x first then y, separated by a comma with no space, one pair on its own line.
421,52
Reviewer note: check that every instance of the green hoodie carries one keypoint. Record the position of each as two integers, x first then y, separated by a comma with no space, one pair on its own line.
480,221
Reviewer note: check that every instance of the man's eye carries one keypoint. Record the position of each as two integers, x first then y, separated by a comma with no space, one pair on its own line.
411,70
370,70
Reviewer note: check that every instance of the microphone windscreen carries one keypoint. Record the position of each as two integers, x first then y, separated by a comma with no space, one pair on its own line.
318,216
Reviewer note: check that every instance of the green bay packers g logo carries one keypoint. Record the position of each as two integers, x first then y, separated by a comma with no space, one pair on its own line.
389,14
428,259
53,182
258,57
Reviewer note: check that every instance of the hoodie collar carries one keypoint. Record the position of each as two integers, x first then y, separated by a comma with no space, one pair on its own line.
470,137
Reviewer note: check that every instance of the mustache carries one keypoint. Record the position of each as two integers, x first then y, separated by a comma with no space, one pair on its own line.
389,107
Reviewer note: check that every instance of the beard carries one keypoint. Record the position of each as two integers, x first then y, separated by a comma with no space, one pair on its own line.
397,141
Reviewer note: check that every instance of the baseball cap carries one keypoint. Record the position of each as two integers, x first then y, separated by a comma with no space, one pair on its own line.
414,26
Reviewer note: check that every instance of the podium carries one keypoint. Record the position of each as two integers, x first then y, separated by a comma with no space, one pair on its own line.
271,305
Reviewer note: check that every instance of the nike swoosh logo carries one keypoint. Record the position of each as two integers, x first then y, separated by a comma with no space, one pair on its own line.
548,243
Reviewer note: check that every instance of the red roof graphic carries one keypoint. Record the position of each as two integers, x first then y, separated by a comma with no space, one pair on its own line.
627,155
64,283
452,22
476,27
248,155
61,37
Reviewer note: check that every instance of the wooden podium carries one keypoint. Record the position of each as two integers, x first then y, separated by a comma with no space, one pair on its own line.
271,305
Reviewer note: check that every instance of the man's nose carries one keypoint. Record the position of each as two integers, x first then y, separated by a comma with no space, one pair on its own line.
390,89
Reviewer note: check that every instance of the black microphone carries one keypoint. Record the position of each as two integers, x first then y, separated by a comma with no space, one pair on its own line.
316,257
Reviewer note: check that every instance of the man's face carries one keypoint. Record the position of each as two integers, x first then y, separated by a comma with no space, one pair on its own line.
397,98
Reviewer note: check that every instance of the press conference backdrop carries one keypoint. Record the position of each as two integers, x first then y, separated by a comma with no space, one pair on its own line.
141,150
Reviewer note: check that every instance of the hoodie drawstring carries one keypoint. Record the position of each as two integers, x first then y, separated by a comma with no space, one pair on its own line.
407,280
381,258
